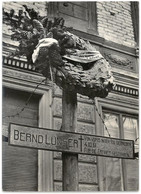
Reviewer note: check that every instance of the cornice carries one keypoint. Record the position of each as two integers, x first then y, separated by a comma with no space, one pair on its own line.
120,76
127,79
120,103
94,39
23,80
100,41
30,79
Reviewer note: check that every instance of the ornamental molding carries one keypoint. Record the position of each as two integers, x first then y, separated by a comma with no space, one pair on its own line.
18,63
122,62
121,103
126,90
16,75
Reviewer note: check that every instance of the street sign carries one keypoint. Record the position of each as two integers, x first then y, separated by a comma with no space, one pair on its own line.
53,140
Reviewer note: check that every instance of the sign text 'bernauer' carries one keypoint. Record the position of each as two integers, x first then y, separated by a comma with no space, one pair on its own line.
53,140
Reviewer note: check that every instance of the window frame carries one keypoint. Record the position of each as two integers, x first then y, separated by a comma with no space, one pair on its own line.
53,11
45,158
120,116
114,106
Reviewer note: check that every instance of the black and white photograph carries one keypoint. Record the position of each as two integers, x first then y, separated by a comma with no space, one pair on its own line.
70,96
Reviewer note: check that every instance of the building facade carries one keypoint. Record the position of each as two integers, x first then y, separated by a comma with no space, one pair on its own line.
112,27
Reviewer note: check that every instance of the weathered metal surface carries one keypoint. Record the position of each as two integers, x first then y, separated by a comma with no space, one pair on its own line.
47,139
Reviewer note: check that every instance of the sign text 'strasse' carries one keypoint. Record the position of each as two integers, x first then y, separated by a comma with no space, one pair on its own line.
53,140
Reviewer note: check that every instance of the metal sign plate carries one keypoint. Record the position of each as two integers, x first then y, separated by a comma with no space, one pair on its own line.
53,140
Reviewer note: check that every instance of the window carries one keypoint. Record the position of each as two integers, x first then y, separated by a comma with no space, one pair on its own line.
121,174
19,165
80,16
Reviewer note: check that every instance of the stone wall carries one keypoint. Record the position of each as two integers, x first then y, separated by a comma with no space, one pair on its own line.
88,175
115,23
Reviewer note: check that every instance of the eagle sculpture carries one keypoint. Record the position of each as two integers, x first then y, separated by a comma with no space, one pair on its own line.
58,54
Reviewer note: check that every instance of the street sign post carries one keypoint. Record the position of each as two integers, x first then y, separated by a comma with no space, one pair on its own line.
68,142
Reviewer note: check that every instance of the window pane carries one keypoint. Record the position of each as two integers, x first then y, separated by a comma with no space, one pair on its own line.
112,165
130,126
112,123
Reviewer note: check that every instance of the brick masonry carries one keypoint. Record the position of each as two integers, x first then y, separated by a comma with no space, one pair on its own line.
115,22
87,172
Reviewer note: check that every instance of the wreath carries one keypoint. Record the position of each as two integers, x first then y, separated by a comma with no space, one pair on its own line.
58,54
